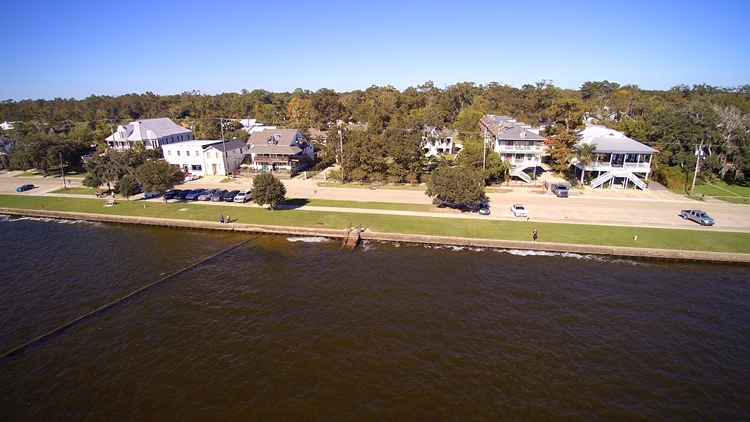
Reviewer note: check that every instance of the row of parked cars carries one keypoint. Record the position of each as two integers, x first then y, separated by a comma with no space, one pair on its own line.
215,195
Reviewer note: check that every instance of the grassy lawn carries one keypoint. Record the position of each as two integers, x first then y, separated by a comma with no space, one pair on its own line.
731,193
367,186
78,191
698,240
354,204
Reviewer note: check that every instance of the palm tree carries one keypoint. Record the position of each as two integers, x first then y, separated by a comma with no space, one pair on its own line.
584,152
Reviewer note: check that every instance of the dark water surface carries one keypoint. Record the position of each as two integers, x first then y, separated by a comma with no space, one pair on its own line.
294,329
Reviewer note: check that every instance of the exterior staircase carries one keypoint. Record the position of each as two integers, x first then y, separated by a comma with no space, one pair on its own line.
618,173
519,172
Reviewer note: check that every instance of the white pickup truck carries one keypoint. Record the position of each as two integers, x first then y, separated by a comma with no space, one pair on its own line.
698,216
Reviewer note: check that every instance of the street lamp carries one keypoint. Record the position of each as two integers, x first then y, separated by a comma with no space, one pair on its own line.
62,170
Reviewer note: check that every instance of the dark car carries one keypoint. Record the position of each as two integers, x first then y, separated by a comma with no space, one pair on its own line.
24,188
182,194
219,195
172,193
194,194
229,197
151,194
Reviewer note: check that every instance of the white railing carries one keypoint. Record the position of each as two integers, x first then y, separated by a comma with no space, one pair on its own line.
639,167
519,148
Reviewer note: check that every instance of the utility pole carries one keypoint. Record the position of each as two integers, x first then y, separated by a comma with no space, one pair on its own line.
62,170
223,144
698,156
341,145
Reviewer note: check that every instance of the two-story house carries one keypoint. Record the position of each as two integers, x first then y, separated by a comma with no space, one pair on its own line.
206,158
437,141
151,133
285,150
617,158
517,143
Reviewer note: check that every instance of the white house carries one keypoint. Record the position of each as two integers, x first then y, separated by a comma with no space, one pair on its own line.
206,158
151,133
6,125
617,158
437,141
278,150
517,143
253,125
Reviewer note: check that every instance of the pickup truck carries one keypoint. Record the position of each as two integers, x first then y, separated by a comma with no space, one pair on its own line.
561,191
698,216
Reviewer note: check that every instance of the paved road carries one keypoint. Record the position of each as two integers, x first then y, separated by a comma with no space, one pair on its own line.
651,208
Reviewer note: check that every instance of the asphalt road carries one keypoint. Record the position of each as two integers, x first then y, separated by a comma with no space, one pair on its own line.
652,208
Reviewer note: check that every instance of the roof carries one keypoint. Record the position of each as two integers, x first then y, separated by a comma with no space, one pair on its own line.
519,134
509,129
285,137
274,149
146,129
610,141
229,145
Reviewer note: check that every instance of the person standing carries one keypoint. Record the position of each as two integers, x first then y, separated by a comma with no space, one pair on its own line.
534,235
221,218
229,220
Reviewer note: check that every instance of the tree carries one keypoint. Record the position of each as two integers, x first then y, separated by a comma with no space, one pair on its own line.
158,176
267,189
455,185
128,186
584,152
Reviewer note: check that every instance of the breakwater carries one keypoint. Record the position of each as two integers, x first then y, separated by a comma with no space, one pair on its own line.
612,251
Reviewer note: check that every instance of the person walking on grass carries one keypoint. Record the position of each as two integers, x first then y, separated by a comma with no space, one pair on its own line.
534,235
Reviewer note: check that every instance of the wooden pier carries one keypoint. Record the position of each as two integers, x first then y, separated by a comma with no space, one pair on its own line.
351,237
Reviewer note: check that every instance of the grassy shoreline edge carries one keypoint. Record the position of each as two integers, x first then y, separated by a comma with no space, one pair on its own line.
369,234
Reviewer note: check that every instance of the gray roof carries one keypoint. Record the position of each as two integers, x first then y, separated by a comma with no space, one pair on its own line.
286,136
619,145
274,149
145,129
519,134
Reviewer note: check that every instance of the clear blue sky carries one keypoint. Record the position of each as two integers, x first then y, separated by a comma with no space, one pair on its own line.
77,48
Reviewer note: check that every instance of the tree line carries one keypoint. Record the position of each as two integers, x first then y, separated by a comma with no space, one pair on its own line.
384,146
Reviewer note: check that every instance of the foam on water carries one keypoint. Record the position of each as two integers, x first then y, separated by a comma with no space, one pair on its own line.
308,239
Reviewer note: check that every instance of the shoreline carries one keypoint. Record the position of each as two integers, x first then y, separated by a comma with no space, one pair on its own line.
611,251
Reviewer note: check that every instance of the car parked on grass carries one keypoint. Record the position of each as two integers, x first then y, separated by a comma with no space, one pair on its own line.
244,196
561,191
218,195
24,188
229,197
172,193
518,210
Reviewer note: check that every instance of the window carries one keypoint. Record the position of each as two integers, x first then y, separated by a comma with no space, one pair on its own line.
169,152
178,153
187,153
196,167
217,155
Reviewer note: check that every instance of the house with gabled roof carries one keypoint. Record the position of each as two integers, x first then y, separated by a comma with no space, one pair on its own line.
286,150
617,158
437,141
206,157
517,143
151,133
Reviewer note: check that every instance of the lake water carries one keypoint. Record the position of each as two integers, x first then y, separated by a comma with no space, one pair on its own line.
270,328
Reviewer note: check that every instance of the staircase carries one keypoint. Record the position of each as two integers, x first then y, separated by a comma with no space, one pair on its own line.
618,173
519,172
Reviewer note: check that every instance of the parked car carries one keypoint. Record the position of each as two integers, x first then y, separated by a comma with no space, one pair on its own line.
698,216
244,196
151,194
24,188
172,193
561,191
484,211
518,210
229,197
206,195
218,195
194,194
191,176
182,195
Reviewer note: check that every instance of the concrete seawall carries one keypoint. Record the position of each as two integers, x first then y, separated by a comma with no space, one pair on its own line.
612,251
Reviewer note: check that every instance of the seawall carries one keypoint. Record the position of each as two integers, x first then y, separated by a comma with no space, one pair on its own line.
612,251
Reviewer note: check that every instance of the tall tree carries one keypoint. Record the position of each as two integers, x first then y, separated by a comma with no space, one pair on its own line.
267,189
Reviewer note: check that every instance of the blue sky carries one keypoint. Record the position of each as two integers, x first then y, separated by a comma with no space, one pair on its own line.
78,48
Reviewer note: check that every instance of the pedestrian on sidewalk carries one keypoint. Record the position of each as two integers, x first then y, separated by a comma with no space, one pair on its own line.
229,220
534,235
221,218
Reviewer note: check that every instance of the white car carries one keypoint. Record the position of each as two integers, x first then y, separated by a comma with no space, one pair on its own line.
191,176
518,210
244,196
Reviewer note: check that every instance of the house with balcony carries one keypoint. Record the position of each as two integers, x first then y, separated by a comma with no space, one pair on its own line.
617,159
437,141
151,133
278,150
205,157
517,143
